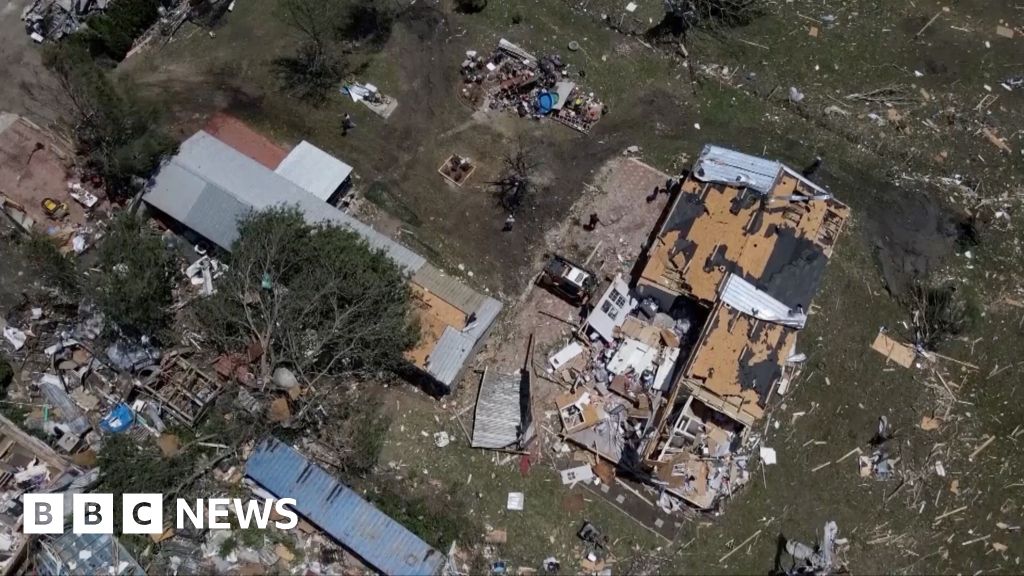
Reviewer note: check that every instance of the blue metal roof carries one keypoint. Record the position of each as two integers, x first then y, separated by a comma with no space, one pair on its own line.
339,511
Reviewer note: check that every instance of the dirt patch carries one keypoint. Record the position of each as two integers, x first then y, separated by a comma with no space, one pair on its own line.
27,88
236,134
573,503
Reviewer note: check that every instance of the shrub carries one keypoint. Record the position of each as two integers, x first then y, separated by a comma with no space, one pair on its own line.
470,6
112,33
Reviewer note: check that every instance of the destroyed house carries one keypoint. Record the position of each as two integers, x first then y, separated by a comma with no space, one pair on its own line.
678,368
71,553
208,186
382,543
747,240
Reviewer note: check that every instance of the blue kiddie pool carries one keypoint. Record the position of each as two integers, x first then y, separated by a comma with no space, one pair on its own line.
546,101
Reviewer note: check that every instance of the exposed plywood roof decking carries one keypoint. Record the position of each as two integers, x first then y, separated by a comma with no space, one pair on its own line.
434,315
779,239
738,358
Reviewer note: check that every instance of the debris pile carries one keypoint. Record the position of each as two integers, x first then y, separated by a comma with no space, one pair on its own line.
514,79
29,466
379,103
822,559
55,19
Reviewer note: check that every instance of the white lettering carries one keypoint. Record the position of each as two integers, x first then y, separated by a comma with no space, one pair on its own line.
251,511
283,507
92,513
196,516
216,509
142,513
44,513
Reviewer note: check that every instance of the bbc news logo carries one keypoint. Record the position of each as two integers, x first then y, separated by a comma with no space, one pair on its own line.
144,513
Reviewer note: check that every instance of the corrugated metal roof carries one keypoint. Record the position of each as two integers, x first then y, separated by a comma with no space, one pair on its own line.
744,297
215,215
314,170
454,347
339,511
725,166
102,550
498,411
251,184
449,288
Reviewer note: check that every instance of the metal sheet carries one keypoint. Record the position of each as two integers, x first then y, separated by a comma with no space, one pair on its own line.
340,512
744,297
498,416
454,347
724,166
314,170
449,288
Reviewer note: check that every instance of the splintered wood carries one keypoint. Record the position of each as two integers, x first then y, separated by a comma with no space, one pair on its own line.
898,352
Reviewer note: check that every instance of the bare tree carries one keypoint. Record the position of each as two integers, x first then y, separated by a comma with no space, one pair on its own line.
317,20
940,311
516,183
316,67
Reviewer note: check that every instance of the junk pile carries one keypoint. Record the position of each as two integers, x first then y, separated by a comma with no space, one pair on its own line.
29,466
203,272
880,465
72,390
821,559
514,79
379,103
55,19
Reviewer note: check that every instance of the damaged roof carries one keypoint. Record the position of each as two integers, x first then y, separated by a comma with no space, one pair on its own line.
208,186
739,214
342,513
738,358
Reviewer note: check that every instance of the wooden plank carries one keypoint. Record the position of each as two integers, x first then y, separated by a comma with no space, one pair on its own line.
898,352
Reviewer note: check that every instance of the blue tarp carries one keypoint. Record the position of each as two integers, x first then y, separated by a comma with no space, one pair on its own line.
120,419
546,101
